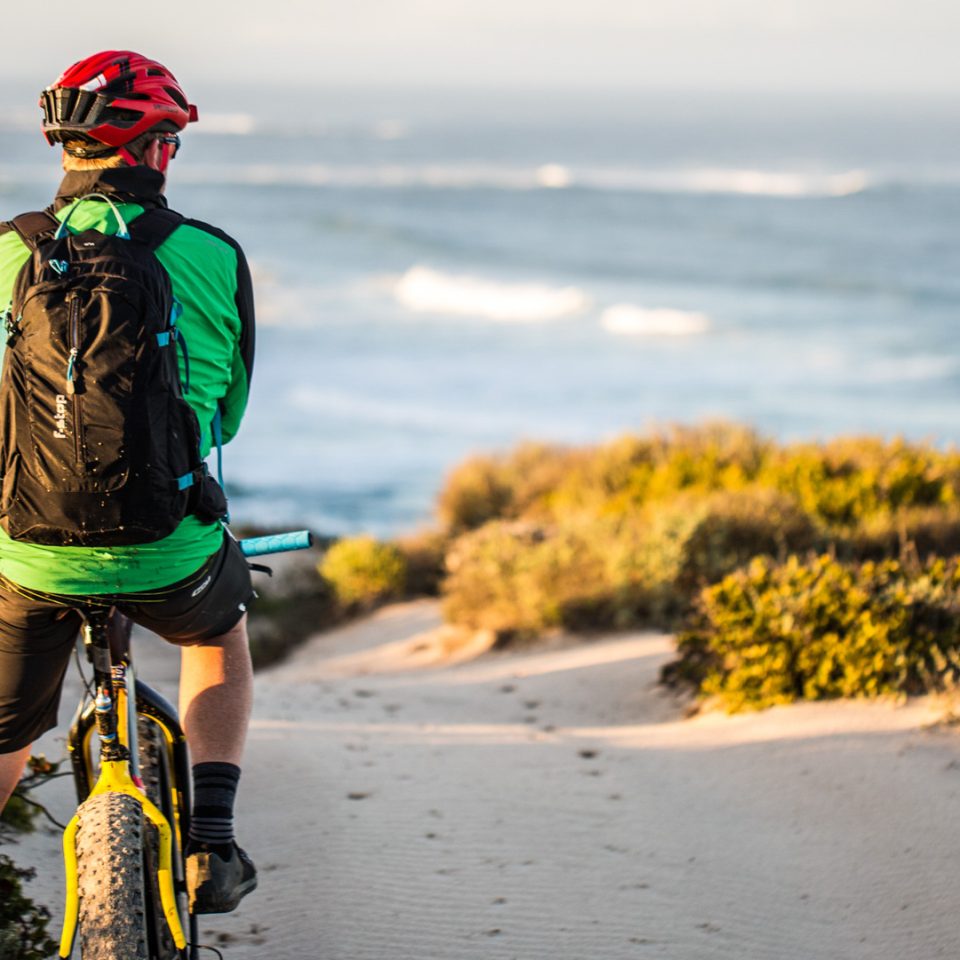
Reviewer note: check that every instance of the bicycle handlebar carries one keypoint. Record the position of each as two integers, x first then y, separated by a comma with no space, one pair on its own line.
276,543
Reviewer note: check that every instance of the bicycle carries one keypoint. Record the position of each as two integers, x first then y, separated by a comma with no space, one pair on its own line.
126,887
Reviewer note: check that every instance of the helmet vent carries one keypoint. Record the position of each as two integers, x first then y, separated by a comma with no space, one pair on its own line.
177,96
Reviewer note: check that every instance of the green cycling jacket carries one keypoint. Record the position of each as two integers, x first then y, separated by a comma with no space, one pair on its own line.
210,277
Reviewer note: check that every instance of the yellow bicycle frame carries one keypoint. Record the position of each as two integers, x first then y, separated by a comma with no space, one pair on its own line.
115,778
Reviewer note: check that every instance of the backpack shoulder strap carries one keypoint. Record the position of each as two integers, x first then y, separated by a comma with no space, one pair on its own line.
35,227
153,227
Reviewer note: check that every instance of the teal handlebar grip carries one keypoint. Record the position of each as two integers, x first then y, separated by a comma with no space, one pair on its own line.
276,543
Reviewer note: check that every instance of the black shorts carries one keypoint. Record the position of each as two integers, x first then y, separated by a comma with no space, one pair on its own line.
38,631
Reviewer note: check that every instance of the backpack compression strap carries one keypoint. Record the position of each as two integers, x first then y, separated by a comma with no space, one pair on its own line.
153,227
35,227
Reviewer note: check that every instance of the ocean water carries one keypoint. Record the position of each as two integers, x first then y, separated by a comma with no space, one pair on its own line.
435,281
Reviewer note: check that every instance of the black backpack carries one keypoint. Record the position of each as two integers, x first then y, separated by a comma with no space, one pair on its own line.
98,446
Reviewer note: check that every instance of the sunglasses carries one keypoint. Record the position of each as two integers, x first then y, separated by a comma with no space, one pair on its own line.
171,140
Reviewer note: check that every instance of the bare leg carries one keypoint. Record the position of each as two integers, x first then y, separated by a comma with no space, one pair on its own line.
11,767
216,695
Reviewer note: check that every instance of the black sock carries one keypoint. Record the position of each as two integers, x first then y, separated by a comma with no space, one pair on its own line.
214,790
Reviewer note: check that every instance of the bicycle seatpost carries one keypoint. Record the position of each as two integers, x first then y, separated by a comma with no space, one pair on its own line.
96,639
119,630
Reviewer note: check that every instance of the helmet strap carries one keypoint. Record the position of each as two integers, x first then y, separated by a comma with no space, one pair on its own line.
166,152
128,156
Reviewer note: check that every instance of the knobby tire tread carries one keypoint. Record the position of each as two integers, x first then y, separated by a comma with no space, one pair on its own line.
111,882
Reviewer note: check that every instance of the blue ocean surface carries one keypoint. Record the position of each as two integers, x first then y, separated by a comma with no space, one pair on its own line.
434,281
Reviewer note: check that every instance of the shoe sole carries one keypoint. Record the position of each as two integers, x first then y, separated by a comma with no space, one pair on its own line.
223,906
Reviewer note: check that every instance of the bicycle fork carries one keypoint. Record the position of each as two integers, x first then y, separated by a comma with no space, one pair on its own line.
116,726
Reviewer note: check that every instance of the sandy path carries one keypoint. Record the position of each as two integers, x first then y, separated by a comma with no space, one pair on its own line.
555,804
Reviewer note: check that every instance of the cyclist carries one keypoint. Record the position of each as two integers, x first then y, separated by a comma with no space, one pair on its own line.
117,116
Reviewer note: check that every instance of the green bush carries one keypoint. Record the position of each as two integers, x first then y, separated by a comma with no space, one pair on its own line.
847,481
772,634
22,811
424,555
727,530
474,493
287,614
618,477
486,488
23,925
614,572
362,571
518,580
841,484
913,531
19,815
629,532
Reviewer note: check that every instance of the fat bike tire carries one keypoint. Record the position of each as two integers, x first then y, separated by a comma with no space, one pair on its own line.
155,773
111,879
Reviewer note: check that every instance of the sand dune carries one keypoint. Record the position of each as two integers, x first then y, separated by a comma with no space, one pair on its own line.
556,803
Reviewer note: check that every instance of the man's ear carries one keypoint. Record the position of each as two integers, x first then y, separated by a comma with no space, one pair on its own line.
153,156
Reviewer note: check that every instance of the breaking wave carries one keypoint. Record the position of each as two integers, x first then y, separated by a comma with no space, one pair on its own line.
718,180
424,290
630,320
548,176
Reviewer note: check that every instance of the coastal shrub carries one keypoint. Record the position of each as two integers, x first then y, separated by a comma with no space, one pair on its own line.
287,613
23,924
519,580
726,530
515,577
363,571
643,556
772,634
520,483
628,532
847,481
19,815
657,561
22,811
841,484
474,493
292,604
424,554
913,531
618,477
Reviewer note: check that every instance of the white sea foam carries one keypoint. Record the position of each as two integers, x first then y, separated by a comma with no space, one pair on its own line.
548,176
384,176
630,320
719,180
425,290
554,176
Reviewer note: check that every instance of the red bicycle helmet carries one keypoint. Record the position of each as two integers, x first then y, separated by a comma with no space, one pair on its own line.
111,98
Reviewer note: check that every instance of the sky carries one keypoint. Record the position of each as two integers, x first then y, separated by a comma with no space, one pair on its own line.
874,48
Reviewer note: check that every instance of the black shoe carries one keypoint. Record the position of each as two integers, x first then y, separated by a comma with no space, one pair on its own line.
217,884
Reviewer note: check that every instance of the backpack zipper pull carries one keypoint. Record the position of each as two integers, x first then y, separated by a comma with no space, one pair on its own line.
74,341
11,326
71,388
